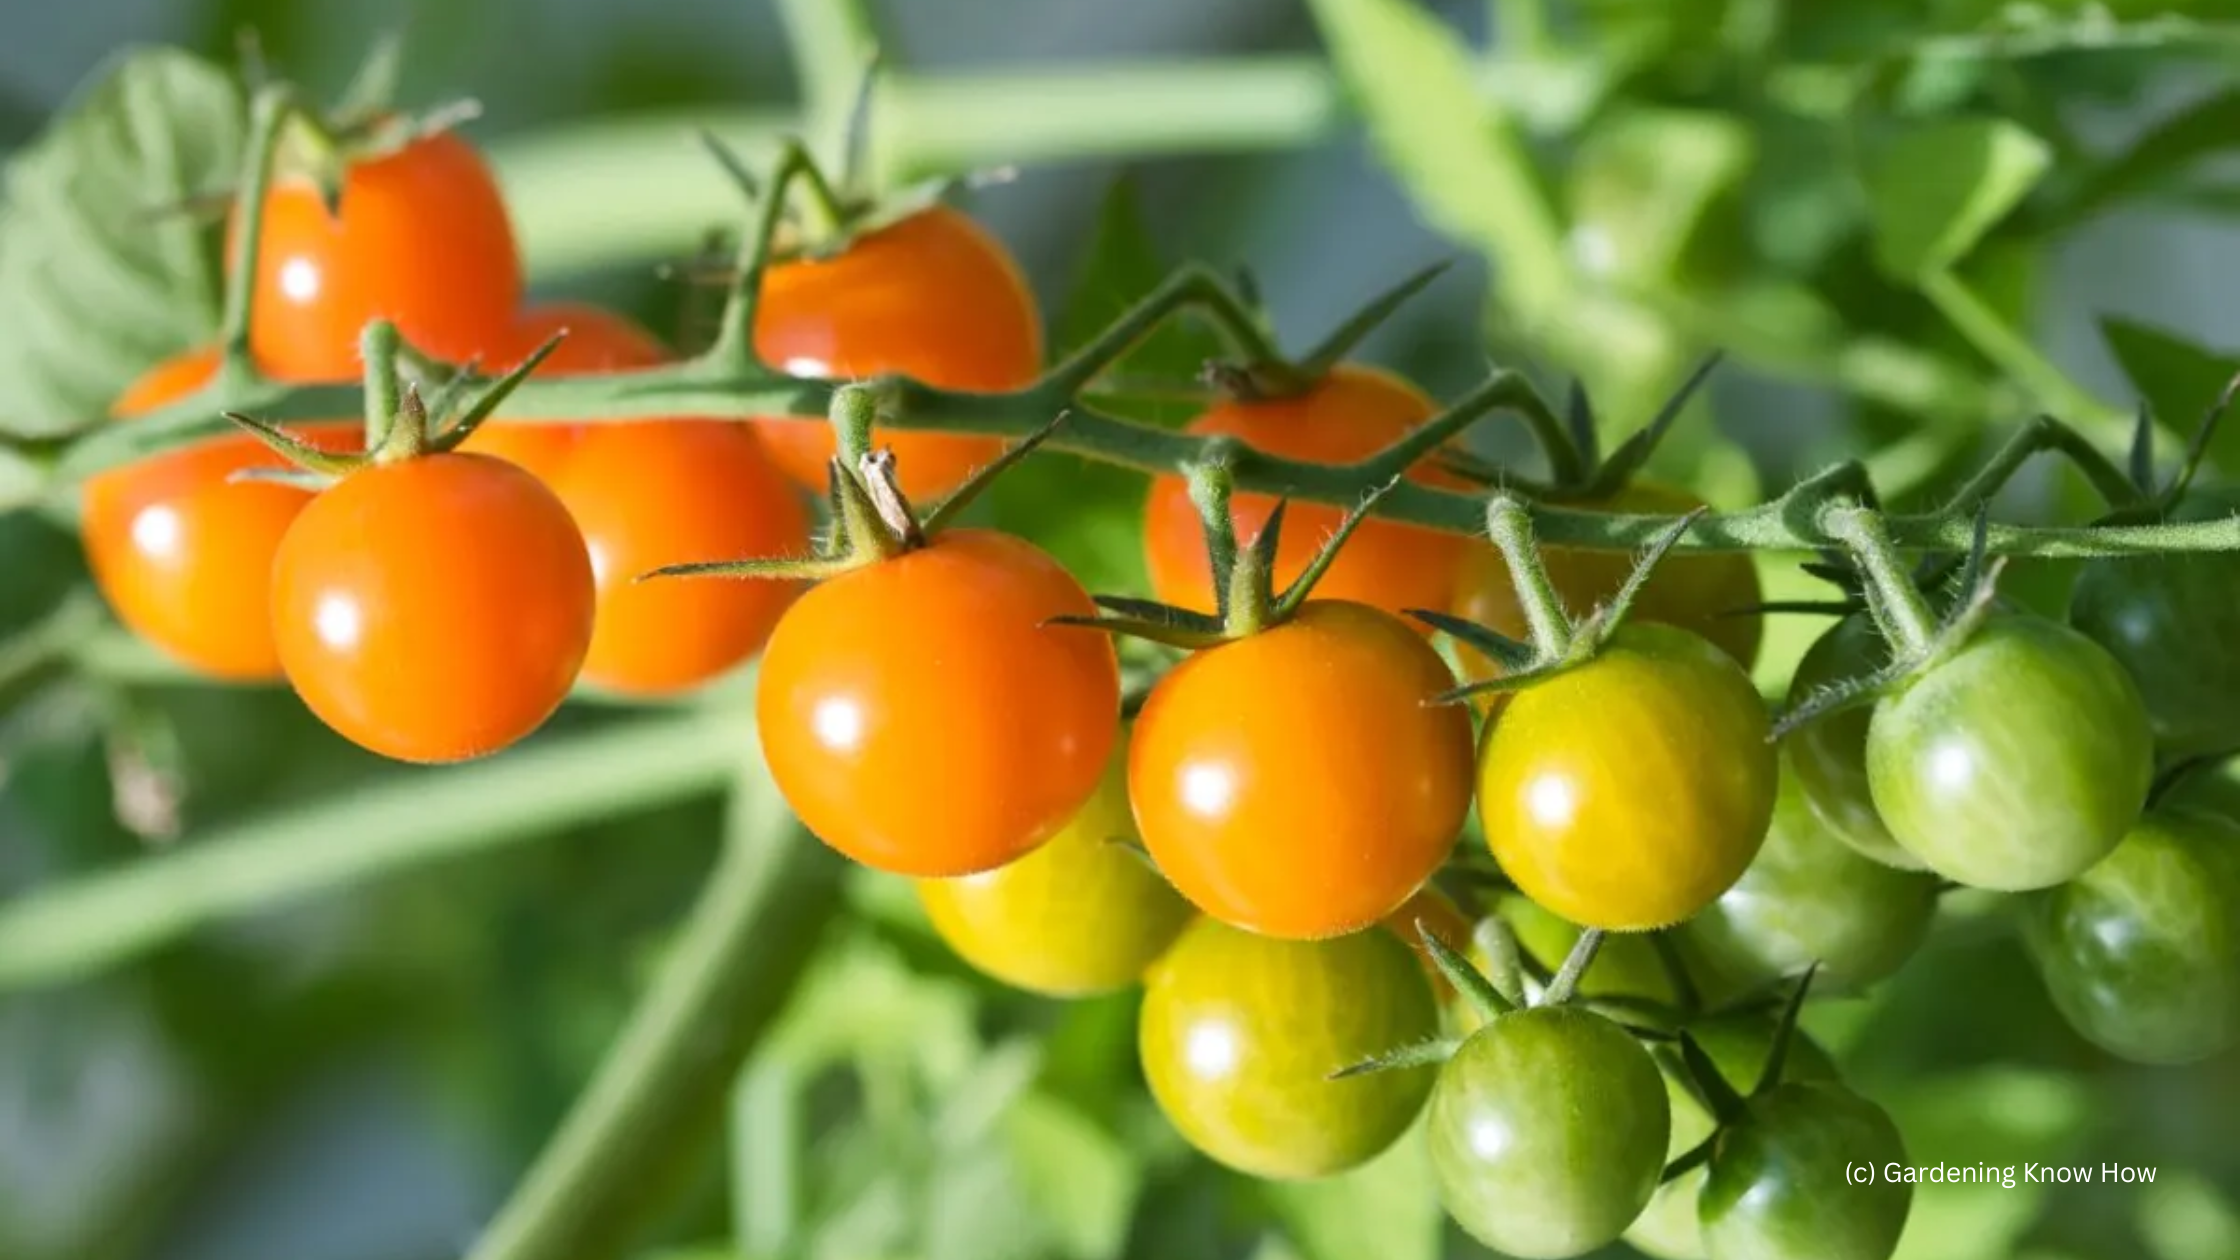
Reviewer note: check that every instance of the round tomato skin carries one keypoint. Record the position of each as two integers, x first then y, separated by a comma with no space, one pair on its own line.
1240,1034
2169,621
922,719
598,342
1078,916
1351,414
1628,793
1702,594
2142,952
1776,1183
182,555
434,609
1810,898
1738,1045
420,238
1297,783
674,492
1548,1132
2017,762
932,297
1829,754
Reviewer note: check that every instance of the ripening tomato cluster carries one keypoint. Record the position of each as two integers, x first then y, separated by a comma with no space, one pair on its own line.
440,607
1256,847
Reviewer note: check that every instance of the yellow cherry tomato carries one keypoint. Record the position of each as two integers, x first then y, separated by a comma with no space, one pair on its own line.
1080,915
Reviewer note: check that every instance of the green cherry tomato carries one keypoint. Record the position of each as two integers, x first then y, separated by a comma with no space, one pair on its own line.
1080,915
2142,952
1627,793
1777,1187
1811,898
2171,622
2016,762
1548,1132
1829,754
1240,1034
1737,1043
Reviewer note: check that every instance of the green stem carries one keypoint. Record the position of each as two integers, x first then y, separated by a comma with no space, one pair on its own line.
1574,969
734,341
830,43
1190,287
2045,434
2013,354
727,975
73,929
377,348
693,389
1511,527
268,121
1896,603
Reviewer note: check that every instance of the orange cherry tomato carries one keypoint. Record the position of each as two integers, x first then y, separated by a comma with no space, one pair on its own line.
184,556
932,297
1296,783
674,492
1627,793
419,237
598,341
1354,412
921,717
1700,594
434,609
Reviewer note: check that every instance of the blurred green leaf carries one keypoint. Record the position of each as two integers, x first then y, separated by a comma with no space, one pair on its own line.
102,268
2177,377
1644,183
2185,1218
2202,128
1934,190
1451,145
1384,1208
1083,1180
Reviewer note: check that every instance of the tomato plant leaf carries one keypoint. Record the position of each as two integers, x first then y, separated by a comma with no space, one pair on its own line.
1935,190
1083,1179
102,268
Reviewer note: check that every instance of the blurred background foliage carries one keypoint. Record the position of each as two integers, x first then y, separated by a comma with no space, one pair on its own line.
1908,221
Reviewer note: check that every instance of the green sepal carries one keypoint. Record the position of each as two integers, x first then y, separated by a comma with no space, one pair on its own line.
1504,964
1579,421
1606,619
1467,980
779,569
1689,1160
1777,1058
1510,654
296,478
1522,680
1150,631
1837,697
1718,1096
1418,1054
1341,341
2139,457
1297,593
296,450
1633,454
1165,614
1565,985
2197,447
984,476
450,436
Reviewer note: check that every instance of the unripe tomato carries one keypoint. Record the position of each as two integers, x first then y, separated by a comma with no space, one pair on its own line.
1298,782
932,297
182,555
1548,1131
2015,763
2142,952
433,609
1080,915
1240,1034
652,493
922,719
1704,594
598,341
1737,1045
419,237
1811,898
1829,754
1351,414
1776,1184
2171,621
1630,791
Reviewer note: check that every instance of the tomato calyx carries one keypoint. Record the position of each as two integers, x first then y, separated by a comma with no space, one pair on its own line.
1727,1105
1581,473
872,519
1559,643
400,424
